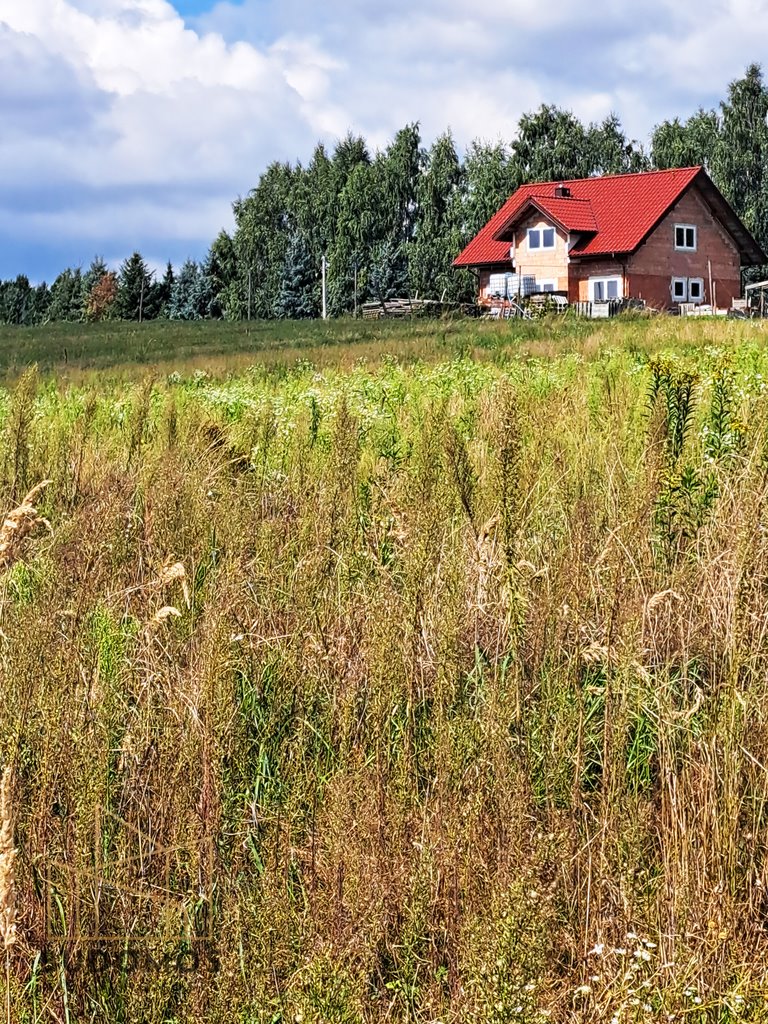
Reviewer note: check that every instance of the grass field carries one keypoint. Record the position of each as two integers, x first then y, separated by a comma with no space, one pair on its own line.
128,351
385,673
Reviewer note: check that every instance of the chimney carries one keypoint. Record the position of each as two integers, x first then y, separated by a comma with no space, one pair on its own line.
562,191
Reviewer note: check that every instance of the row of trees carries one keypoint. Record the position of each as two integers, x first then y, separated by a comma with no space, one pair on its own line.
392,222
102,294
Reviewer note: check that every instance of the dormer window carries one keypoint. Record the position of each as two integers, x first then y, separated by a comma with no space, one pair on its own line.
685,237
541,238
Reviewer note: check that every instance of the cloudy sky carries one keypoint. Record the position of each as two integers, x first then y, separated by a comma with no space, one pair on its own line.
133,124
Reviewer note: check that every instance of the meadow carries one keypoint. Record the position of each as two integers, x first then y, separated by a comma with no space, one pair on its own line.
384,672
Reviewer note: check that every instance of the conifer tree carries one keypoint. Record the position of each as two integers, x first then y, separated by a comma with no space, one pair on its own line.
66,296
296,299
134,289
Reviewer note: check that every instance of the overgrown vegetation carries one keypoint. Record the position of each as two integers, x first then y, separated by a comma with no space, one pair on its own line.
416,691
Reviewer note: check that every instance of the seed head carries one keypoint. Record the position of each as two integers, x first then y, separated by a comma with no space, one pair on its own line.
7,865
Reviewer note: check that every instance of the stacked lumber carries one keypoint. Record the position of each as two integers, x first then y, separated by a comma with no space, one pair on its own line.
400,308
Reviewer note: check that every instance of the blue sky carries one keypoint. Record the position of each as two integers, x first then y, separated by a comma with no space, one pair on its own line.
133,124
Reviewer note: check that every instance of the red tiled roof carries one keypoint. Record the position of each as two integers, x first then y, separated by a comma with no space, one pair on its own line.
624,208
573,214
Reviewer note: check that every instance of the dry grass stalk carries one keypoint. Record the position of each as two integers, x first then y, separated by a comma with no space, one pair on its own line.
8,931
164,613
19,524
173,573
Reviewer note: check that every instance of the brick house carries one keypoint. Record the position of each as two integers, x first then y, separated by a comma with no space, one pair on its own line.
661,236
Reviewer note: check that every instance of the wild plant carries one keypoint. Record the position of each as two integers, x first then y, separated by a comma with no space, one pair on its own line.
687,495
19,433
8,905
723,433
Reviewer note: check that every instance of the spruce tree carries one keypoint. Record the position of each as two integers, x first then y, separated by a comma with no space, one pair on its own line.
162,292
66,296
134,290
191,293
296,299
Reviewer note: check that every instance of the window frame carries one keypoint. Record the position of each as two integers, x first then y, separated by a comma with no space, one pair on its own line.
539,232
685,228
604,280
700,282
684,282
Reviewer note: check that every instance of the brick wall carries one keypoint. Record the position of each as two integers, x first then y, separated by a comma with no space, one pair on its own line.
656,262
581,272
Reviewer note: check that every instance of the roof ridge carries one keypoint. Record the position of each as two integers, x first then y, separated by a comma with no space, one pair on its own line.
618,174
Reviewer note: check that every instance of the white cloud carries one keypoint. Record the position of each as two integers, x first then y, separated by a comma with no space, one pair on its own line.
110,99
125,126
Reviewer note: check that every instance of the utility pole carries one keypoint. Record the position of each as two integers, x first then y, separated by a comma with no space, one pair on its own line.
141,299
325,305
249,293
355,268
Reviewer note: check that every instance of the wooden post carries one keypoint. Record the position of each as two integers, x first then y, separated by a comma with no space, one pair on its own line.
325,307
355,271
711,293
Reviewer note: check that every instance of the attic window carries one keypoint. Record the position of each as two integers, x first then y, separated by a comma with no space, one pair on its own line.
685,237
541,238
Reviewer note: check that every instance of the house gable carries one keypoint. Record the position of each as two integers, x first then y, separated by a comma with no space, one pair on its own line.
541,267
654,267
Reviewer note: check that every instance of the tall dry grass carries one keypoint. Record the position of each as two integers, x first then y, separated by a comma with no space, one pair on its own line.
428,694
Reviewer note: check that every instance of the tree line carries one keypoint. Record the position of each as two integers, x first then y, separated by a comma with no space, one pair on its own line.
390,223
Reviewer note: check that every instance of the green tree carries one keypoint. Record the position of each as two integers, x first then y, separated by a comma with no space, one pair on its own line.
18,303
611,152
686,144
134,289
66,296
161,292
191,294
398,174
489,180
740,167
222,270
357,231
350,152
551,144
348,251
438,236
297,299
263,231
388,270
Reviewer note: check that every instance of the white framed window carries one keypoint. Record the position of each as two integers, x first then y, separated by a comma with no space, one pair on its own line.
687,289
685,237
679,289
695,289
546,286
602,289
541,238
